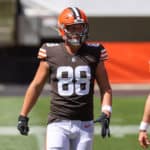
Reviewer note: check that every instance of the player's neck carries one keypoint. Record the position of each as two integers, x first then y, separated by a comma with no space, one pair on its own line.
72,49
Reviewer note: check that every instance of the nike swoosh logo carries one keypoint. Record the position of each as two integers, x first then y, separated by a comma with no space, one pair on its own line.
87,125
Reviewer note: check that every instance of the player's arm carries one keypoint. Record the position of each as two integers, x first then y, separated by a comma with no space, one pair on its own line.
143,135
105,88
31,96
146,115
106,99
35,88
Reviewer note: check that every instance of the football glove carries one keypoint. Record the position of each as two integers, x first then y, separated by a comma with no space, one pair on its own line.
23,125
104,121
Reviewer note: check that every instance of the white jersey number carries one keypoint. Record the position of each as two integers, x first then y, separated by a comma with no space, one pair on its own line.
70,81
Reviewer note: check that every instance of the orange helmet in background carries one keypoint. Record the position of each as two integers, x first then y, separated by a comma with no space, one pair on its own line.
69,17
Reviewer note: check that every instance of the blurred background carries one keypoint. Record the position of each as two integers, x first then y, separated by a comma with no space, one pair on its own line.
122,27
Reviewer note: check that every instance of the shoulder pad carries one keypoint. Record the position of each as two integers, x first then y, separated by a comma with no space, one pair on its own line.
93,44
52,44
42,54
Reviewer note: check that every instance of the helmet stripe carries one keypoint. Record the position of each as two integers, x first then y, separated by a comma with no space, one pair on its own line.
76,12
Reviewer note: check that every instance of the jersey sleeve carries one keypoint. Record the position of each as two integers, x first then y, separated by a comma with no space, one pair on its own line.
42,54
103,53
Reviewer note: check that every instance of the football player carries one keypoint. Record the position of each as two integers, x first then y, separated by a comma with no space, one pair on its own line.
144,140
72,67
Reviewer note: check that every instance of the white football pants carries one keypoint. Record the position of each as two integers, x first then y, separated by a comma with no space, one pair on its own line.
70,135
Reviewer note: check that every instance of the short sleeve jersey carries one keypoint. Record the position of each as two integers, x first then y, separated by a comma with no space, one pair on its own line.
72,79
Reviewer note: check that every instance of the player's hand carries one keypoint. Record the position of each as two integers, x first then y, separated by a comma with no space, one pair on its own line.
23,125
143,139
104,121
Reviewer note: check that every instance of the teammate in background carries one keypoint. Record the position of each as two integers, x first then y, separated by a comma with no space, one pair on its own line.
144,140
72,67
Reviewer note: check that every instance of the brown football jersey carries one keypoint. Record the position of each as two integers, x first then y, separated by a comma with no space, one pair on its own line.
72,79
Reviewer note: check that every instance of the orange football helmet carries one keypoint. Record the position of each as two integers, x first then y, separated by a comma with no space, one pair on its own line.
70,17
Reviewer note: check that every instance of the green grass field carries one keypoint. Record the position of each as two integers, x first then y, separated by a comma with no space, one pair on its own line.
126,111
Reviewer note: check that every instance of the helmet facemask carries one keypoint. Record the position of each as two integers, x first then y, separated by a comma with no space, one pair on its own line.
74,37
